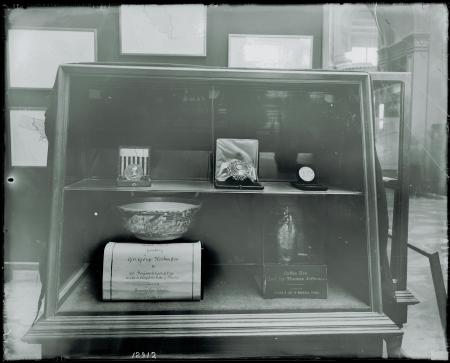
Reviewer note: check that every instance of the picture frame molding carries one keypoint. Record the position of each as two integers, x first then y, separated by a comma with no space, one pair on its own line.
7,55
203,54
8,133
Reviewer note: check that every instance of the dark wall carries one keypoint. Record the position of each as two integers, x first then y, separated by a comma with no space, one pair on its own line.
221,21
27,198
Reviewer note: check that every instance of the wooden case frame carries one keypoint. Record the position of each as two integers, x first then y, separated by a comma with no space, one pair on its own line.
52,325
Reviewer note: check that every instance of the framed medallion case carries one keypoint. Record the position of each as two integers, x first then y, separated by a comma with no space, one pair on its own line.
134,166
236,164
248,235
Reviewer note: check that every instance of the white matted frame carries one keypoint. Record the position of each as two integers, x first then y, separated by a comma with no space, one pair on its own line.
174,30
270,51
34,54
28,141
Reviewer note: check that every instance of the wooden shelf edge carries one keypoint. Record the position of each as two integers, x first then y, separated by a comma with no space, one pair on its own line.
405,297
210,325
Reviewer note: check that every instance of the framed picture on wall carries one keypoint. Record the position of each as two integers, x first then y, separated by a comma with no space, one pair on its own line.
34,55
270,51
29,144
178,30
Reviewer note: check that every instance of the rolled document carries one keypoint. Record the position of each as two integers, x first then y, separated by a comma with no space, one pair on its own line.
157,271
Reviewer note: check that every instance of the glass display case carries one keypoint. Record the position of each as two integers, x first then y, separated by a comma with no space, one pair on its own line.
325,117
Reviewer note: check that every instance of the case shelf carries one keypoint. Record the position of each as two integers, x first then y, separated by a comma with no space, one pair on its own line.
197,186
232,290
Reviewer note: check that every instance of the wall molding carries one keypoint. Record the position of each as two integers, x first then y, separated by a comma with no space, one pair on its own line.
416,42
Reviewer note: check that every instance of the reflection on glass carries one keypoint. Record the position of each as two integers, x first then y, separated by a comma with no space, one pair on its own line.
387,100
353,35
173,119
309,119
182,122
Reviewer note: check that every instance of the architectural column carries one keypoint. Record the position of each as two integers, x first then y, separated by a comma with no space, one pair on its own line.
411,54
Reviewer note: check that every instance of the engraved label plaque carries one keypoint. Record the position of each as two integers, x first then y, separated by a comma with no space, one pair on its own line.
138,271
299,281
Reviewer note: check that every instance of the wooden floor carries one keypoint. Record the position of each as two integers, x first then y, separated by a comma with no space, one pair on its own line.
21,296
428,229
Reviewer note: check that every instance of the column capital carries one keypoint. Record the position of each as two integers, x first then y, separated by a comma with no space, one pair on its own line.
416,42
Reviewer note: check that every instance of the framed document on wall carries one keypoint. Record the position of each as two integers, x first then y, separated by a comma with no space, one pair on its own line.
270,51
29,143
34,55
178,30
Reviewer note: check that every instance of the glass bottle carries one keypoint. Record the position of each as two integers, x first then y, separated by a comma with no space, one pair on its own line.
302,247
286,236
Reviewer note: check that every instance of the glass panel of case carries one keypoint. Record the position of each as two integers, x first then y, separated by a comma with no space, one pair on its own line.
388,107
172,118
388,98
305,121
181,120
